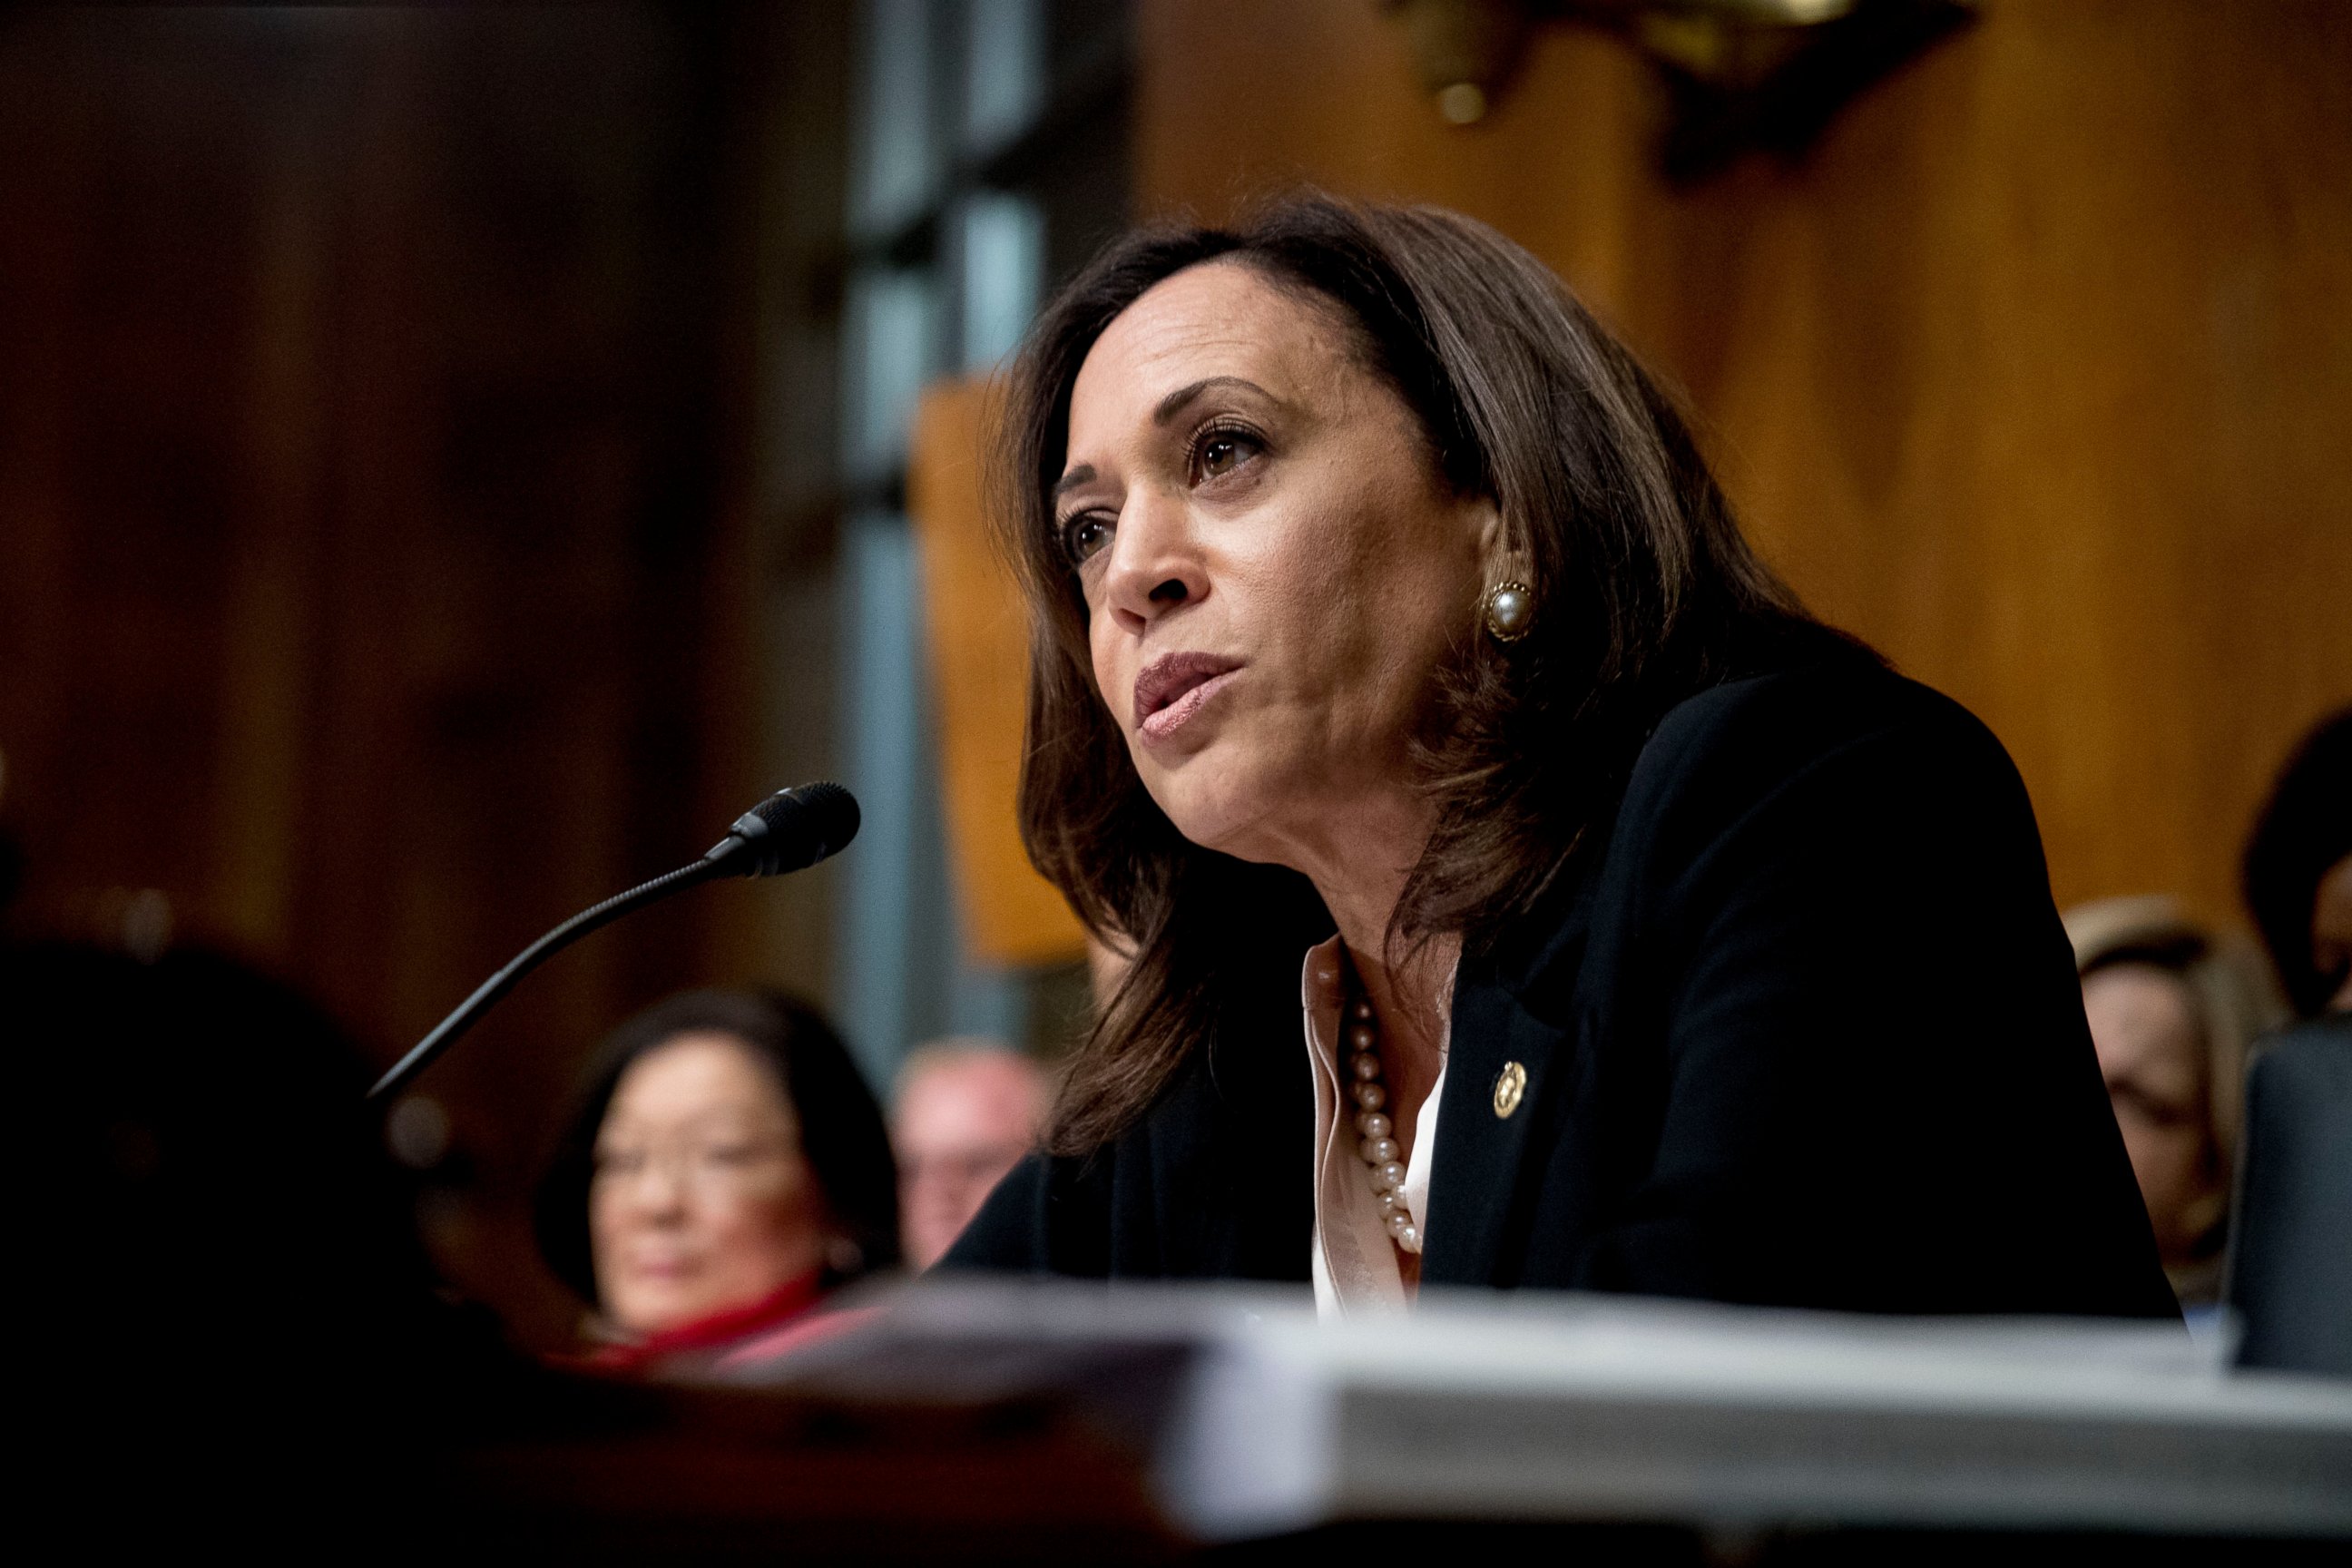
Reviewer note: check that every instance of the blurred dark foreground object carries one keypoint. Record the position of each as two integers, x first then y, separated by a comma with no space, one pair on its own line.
236,1330
232,1340
2291,1263
230,1337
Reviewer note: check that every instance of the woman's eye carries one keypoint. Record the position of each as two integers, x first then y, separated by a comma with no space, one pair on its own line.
1084,535
618,1162
1219,452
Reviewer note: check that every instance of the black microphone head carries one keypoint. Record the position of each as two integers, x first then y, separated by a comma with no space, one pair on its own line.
789,830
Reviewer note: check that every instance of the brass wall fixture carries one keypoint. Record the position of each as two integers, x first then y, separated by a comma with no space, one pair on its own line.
1738,74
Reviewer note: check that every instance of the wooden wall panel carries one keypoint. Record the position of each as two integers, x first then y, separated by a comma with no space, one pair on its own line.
2036,371
374,575
979,672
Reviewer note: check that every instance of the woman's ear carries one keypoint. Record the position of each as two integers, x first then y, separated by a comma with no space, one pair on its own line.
1502,557
1498,559
1506,602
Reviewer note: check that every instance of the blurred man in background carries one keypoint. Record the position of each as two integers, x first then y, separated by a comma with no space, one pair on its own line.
968,1109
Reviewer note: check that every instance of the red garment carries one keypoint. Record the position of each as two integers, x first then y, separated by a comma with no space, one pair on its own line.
777,1343
709,1338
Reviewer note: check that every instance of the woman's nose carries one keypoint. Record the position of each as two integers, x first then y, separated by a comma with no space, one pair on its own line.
660,1191
1155,562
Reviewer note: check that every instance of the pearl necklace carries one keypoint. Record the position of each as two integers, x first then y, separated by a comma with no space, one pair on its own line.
1377,1145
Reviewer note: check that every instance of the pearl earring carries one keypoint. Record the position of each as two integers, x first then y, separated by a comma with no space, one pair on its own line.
1510,608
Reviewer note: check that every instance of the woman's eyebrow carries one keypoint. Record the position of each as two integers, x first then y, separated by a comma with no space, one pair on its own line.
1165,410
1175,401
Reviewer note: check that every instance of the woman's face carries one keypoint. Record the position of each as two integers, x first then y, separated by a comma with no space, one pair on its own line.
1274,569
701,1200
2144,1022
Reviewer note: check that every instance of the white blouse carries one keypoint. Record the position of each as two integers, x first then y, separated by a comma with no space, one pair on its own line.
1355,1264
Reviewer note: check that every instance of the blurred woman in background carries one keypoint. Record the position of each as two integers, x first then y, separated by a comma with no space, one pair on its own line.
2173,1008
725,1168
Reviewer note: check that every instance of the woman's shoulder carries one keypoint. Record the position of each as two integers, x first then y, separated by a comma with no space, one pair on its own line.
1814,761
1801,705
1839,715
1199,1188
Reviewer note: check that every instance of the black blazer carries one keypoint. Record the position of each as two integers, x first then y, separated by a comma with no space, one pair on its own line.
1807,1032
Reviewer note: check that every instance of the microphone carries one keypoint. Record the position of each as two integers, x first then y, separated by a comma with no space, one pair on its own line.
788,831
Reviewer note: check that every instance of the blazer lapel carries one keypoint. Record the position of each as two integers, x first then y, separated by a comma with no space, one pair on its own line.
1481,1191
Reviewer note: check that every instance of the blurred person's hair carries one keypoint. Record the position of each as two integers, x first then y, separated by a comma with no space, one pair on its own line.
842,1135
1648,593
2304,829
2229,987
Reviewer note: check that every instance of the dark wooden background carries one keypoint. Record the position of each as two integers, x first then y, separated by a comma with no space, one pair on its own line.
380,564
2035,369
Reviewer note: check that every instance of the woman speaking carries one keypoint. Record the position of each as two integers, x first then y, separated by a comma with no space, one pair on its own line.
1396,655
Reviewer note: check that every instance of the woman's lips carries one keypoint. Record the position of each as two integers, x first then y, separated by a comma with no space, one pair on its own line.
1174,687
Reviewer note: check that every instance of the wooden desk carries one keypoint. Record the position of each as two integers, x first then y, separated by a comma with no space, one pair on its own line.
972,1422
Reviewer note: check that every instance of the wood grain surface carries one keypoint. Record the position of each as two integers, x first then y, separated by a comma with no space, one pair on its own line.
978,634
2035,370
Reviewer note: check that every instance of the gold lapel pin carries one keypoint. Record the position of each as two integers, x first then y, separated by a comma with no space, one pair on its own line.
1509,1085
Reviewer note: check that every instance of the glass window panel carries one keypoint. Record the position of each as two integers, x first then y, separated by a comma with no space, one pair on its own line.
898,167
893,328
881,723
1004,65
899,976
1003,255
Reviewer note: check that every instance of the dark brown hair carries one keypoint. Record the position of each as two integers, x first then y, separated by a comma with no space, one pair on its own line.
1644,591
2305,827
842,1135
